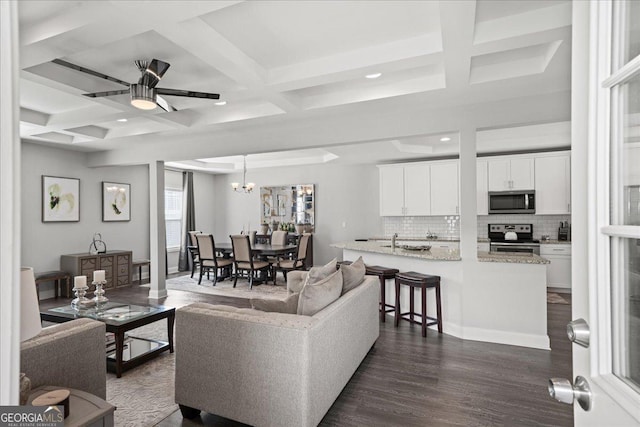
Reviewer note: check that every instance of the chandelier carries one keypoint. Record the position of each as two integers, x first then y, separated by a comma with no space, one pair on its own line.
246,186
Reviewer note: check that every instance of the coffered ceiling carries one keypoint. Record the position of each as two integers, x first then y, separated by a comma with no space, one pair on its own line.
292,74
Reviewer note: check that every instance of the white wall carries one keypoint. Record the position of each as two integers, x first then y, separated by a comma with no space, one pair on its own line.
345,194
43,243
204,202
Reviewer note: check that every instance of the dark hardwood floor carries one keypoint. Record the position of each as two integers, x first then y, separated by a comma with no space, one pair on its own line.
407,380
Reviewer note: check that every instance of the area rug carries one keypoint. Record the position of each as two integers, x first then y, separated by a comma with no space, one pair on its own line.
225,288
554,298
144,395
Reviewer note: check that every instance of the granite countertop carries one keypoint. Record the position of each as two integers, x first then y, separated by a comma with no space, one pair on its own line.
440,254
512,257
425,239
434,254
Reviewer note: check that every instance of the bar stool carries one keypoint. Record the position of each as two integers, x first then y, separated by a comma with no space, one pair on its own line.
139,263
424,282
383,274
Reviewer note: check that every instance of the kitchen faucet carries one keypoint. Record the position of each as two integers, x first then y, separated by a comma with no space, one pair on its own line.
393,240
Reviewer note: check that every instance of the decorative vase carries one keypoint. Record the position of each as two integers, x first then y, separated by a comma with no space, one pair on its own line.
299,228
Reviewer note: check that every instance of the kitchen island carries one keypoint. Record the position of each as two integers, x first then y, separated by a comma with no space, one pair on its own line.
498,298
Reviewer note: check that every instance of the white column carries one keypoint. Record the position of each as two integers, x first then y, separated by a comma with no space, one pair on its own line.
9,205
157,232
468,194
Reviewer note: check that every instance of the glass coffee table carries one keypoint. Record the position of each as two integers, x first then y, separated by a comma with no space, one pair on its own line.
120,318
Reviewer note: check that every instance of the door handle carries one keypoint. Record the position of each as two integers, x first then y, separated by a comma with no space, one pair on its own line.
561,390
578,332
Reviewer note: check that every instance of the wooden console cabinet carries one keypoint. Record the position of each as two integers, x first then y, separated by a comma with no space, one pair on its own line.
116,264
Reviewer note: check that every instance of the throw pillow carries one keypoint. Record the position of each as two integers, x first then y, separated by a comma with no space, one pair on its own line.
317,274
352,275
289,305
314,297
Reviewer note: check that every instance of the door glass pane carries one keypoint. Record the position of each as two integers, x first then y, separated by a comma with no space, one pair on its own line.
625,285
630,43
626,198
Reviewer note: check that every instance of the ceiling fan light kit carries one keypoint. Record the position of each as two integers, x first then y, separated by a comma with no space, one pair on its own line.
143,97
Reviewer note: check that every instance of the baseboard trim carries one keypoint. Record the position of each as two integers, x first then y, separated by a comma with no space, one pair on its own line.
510,338
559,290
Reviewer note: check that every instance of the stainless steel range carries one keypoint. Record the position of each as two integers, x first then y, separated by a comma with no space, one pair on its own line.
513,238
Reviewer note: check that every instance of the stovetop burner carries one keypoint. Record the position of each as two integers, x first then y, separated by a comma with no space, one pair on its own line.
523,233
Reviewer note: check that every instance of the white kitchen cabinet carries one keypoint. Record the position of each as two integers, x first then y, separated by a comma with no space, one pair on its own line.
417,197
392,191
553,184
559,270
507,173
482,188
444,188
405,190
483,247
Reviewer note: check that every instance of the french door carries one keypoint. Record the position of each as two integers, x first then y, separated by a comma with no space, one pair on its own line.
606,289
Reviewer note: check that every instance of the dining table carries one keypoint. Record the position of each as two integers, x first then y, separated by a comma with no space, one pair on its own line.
259,249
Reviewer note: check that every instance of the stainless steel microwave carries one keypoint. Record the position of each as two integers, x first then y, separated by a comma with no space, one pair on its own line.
512,202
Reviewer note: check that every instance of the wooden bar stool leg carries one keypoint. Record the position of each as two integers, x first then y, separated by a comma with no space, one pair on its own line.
424,311
397,312
439,308
383,304
56,285
411,303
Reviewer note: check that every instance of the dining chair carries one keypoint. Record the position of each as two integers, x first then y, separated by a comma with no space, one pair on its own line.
278,237
208,259
193,251
243,259
296,263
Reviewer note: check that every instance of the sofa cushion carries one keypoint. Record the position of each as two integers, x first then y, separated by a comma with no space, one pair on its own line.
316,296
352,275
317,274
289,305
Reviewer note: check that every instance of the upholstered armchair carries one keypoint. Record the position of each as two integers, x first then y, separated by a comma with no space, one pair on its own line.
296,263
208,259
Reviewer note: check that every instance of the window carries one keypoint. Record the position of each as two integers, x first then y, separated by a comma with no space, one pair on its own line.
173,217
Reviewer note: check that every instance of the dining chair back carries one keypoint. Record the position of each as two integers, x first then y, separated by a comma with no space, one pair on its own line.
243,258
193,250
296,263
279,237
208,259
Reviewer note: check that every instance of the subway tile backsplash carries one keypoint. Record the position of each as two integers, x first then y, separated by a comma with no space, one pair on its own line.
449,226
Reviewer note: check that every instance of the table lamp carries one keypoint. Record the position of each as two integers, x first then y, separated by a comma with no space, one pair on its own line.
30,324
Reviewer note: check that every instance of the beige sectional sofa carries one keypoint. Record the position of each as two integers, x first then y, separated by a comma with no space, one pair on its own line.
69,354
272,369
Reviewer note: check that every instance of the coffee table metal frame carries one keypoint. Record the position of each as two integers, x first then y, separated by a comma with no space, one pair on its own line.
119,327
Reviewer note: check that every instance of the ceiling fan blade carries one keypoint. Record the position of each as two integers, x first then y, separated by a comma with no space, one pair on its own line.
162,103
188,93
88,71
107,93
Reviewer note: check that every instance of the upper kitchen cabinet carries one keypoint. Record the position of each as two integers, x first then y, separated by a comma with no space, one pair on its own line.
510,173
405,190
444,188
482,188
553,183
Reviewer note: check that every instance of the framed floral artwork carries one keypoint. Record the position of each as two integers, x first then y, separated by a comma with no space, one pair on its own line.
116,201
60,199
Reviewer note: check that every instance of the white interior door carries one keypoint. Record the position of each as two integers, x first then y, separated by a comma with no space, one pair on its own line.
606,244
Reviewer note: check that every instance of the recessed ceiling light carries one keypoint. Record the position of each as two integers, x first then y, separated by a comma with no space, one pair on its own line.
221,103
445,139
373,75
122,120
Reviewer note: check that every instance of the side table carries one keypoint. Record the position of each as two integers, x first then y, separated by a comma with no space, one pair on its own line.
85,409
